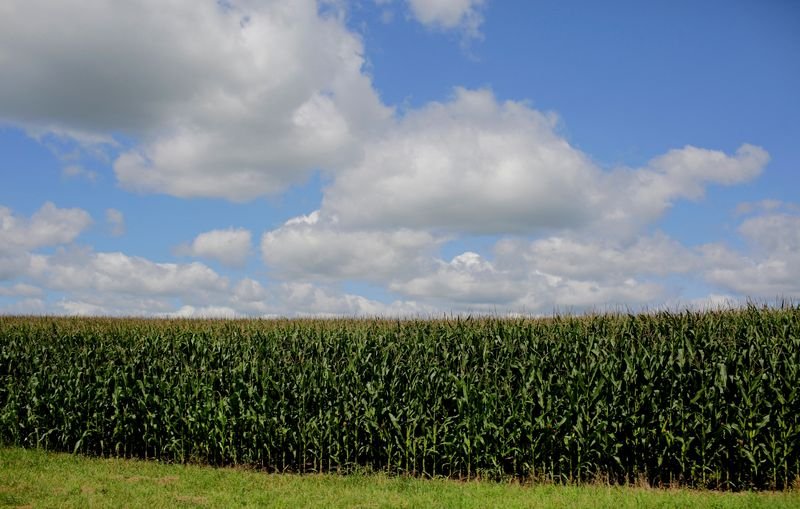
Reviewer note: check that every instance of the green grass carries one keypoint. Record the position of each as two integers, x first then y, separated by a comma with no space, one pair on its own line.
41,479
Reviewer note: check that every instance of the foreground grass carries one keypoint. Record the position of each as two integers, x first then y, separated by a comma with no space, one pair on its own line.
31,478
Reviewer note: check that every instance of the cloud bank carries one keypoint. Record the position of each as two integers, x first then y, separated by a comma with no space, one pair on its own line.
240,100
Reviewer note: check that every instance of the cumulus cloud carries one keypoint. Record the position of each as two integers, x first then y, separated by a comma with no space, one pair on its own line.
230,247
13,264
92,283
600,260
116,284
25,307
306,248
49,226
591,296
467,278
585,273
771,268
638,197
113,283
542,275
20,236
108,304
21,290
449,14
204,312
229,99
469,165
552,273
114,272
773,233
476,165
535,276
710,302
252,298
309,299
250,290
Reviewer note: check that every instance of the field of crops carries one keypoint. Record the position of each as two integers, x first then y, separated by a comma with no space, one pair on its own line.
702,399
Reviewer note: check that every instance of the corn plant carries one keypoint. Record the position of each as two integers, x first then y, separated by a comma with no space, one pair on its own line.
701,399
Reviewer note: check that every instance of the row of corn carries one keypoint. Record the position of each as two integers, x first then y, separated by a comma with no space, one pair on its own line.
703,399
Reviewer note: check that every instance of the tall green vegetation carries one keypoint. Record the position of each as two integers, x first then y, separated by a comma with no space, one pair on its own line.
704,399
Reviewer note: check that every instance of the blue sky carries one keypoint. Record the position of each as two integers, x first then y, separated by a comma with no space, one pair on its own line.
396,157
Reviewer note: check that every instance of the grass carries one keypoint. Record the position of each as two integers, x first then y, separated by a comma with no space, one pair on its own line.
33,478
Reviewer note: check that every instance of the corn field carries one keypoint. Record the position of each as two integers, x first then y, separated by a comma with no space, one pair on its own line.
700,399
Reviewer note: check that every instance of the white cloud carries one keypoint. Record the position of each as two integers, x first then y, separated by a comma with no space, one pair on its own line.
21,290
771,268
464,15
467,278
306,249
768,278
469,165
555,272
49,226
638,197
234,100
449,14
585,273
117,273
24,307
601,260
535,276
204,312
230,247
711,302
13,264
477,166
308,299
250,290
593,296
116,222
773,233
109,304
80,308
116,284
250,297
474,165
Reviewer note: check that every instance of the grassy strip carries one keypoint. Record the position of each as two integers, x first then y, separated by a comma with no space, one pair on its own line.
40,479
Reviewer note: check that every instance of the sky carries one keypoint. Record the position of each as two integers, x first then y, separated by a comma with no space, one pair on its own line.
397,157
